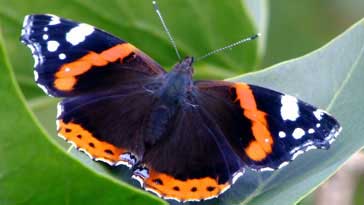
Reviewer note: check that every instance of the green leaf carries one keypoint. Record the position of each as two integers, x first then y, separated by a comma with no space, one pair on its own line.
197,26
34,170
331,78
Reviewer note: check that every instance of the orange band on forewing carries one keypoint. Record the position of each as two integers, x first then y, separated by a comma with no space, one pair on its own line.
85,63
65,83
117,52
262,145
83,139
190,189
255,151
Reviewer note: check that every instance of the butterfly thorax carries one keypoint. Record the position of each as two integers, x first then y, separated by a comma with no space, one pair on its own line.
169,99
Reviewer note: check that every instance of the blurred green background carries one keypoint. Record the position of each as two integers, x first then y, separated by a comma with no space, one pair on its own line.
298,27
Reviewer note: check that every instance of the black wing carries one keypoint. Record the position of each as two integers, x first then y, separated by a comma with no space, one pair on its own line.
266,128
107,126
74,58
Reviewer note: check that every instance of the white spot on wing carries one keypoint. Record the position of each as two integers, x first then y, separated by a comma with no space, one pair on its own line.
318,125
59,109
105,161
298,133
140,175
62,56
298,153
54,20
289,109
128,158
26,19
43,88
25,30
310,148
45,29
36,76
79,33
36,61
266,169
237,175
318,114
57,125
52,46
283,165
45,36
311,131
282,134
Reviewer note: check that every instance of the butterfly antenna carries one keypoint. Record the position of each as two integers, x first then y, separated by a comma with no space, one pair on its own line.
156,8
228,46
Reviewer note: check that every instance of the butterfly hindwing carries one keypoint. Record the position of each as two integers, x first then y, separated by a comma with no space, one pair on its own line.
192,162
266,128
74,58
107,126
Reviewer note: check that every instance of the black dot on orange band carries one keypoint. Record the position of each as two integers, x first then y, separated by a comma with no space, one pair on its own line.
158,181
79,136
108,151
91,144
68,130
210,188
194,189
176,188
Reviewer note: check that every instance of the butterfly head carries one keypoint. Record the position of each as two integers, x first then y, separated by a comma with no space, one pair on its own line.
185,66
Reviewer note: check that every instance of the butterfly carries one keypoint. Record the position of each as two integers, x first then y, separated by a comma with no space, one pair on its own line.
183,139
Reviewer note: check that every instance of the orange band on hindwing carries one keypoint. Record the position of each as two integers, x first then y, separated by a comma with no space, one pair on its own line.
83,139
65,78
184,190
259,148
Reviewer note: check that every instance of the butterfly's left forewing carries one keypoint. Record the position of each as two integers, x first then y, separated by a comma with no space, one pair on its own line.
267,129
74,58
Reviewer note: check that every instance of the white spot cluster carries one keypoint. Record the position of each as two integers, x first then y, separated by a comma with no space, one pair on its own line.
289,109
79,33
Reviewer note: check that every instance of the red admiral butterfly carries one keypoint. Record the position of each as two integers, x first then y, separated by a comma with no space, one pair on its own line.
184,140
